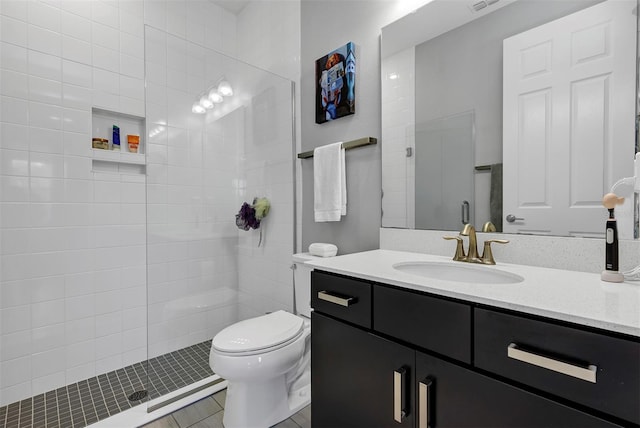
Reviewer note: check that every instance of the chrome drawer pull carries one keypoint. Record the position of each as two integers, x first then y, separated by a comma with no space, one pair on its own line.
338,300
585,373
398,394
424,399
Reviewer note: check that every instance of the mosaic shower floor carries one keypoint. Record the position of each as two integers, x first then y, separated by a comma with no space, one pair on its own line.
88,401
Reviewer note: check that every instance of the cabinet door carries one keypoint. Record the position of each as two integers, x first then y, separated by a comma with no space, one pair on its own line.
358,379
453,396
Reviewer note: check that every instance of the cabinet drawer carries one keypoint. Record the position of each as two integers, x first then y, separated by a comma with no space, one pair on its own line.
345,298
432,323
457,397
592,369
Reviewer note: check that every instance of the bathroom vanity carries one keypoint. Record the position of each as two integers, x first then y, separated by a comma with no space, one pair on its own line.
395,349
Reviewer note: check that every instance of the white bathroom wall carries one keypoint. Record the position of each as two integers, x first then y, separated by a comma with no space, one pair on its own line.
269,37
398,134
265,277
204,273
73,266
193,170
73,241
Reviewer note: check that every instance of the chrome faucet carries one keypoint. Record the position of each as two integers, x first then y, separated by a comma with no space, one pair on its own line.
472,255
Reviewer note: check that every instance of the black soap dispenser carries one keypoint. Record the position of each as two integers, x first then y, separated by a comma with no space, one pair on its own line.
611,273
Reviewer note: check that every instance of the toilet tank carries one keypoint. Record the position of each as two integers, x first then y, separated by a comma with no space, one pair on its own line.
302,283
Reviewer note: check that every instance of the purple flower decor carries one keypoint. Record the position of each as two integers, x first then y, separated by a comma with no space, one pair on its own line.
246,218
249,216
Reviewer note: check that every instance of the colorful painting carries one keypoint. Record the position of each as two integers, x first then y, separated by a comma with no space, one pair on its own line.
336,84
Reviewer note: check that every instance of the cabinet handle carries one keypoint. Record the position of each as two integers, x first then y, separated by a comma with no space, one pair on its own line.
424,399
587,372
399,383
338,300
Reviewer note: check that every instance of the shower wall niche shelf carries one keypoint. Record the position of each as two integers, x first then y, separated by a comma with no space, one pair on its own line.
119,157
117,161
102,122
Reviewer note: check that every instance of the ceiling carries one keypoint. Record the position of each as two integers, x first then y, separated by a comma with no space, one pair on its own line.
233,6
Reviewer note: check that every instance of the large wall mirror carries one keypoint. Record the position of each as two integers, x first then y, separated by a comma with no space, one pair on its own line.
521,113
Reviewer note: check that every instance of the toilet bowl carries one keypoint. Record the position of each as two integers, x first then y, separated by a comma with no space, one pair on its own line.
266,361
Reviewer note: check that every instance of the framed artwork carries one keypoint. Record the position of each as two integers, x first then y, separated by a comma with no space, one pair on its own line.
336,84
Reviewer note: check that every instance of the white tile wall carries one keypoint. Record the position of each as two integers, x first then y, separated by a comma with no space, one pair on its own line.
398,134
73,282
266,279
224,264
73,245
183,241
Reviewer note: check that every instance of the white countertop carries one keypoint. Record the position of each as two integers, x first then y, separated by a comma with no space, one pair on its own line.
576,297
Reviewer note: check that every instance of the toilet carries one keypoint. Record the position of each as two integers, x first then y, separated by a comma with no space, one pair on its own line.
266,360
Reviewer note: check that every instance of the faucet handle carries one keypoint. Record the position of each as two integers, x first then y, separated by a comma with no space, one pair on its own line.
459,248
487,254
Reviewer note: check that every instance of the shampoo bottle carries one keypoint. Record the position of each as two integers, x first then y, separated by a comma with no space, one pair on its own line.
116,138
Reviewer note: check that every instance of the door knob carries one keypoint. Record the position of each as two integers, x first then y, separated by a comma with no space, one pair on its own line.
511,218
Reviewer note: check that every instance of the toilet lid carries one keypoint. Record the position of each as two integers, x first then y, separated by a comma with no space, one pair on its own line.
258,333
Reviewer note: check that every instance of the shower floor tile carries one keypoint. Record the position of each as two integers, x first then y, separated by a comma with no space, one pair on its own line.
88,401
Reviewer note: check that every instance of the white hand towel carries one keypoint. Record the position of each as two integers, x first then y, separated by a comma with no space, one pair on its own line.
329,183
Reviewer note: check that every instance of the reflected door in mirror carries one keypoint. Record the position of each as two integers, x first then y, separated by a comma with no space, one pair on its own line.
568,100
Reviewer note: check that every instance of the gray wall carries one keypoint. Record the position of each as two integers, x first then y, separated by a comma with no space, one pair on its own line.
327,25
461,70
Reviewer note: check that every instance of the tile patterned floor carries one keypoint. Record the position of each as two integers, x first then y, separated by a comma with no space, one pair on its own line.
80,404
208,413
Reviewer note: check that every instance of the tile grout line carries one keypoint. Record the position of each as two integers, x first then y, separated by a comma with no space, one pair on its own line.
105,386
180,365
90,402
139,379
122,382
104,400
84,416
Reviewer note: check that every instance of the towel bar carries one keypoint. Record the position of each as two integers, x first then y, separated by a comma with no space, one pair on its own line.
366,141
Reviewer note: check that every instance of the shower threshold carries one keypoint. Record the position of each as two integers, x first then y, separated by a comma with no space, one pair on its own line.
144,414
168,380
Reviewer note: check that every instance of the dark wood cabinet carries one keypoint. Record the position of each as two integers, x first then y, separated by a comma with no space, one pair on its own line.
353,374
423,361
444,328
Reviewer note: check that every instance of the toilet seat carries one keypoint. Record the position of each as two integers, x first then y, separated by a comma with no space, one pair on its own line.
259,335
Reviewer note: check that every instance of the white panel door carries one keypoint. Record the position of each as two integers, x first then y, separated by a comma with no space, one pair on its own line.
568,114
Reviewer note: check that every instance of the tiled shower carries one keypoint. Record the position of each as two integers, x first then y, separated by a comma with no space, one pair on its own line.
111,259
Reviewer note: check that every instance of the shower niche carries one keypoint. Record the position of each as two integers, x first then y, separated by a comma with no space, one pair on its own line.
129,159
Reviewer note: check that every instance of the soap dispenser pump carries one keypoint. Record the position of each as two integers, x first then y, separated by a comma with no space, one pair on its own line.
611,273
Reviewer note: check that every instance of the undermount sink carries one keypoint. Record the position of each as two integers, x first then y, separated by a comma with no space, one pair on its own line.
459,272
